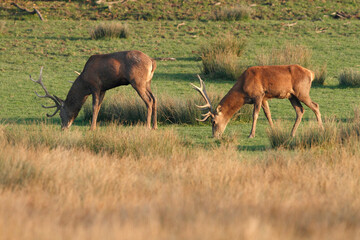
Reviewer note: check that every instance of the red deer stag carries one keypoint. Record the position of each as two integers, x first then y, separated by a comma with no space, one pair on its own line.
101,73
255,86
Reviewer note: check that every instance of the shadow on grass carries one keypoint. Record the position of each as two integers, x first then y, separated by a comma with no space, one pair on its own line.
254,148
191,77
55,121
332,87
60,38
186,59
186,77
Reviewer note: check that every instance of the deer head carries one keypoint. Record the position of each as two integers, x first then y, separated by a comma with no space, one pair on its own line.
66,121
218,120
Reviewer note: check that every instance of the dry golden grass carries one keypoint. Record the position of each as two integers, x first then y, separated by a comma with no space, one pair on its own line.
61,192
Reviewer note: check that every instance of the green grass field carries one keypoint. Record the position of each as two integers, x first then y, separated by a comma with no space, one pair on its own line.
62,47
127,182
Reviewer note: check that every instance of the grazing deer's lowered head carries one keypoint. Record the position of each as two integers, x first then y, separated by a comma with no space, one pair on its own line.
101,73
218,119
59,104
255,86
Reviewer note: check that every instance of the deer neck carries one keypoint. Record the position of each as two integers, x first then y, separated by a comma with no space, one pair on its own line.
231,103
75,98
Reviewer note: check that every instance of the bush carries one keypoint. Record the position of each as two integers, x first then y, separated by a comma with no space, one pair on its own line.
288,54
349,77
110,30
221,57
239,12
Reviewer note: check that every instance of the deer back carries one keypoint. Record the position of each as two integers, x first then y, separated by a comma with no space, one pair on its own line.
274,81
106,71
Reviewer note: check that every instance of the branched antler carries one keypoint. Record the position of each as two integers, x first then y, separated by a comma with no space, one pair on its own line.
203,93
58,101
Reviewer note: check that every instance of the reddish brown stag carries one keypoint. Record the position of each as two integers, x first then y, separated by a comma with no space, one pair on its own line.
255,86
101,73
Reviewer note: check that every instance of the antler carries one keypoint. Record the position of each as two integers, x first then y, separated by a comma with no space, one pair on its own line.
58,101
203,93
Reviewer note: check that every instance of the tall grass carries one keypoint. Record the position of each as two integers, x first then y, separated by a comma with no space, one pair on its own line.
15,174
239,12
135,141
293,54
191,193
320,75
287,54
110,30
349,77
220,57
334,134
131,110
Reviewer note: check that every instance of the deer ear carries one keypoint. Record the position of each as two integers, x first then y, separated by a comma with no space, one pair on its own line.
59,100
218,109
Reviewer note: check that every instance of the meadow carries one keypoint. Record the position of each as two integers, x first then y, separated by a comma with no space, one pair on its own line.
124,181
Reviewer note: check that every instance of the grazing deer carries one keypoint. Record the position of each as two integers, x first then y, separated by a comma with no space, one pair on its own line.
101,73
255,86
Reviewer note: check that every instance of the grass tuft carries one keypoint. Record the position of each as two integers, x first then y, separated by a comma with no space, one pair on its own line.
220,57
349,77
320,75
334,134
240,12
288,54
110,30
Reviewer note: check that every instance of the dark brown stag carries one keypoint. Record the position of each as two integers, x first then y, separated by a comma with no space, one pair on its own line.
101,73
255,86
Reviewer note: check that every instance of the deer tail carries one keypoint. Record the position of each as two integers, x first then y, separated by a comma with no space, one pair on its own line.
312,76
153,67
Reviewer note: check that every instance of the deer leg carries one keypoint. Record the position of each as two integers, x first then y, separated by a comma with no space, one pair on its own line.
257,106
145,96
265,107
154,107
314,107
299,113
97,100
